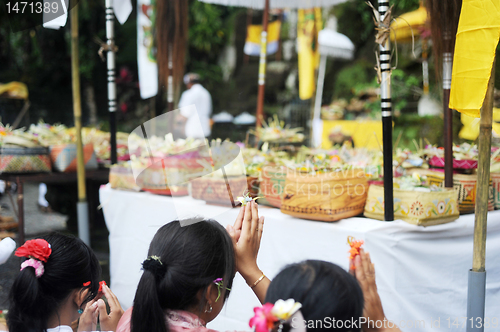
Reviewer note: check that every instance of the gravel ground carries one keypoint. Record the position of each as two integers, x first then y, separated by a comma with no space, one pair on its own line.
37,223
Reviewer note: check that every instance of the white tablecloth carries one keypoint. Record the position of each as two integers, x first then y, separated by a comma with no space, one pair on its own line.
421,272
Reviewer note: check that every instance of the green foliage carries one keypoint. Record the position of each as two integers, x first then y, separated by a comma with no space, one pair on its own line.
404,6
412,127
359,73
210,73
209,27
404,87
355,18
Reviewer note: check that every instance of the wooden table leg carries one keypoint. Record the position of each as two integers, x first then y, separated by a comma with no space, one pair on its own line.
20,207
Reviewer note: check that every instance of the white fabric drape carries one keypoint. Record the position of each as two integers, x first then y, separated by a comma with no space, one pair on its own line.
421,272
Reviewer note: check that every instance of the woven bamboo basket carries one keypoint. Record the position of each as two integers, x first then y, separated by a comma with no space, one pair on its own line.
465,185
122,177
217,191
415,207
63,157
495,179
24,160
325,196
272,184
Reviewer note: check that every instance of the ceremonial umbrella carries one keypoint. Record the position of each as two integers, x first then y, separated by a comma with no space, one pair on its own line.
266,5
472,88
337,46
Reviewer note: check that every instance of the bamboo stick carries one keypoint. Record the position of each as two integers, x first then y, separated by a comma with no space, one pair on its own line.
483,178
77,106
262,66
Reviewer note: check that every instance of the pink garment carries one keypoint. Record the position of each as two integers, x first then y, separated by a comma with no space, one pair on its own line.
178,321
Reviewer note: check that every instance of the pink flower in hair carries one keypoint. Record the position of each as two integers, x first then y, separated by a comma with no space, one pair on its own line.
263,320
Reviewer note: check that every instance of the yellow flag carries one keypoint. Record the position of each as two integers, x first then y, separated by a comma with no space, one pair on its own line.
477,38
470,130
309,24
252,43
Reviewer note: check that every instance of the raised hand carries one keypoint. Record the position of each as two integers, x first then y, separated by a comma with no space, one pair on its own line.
373,311
109,321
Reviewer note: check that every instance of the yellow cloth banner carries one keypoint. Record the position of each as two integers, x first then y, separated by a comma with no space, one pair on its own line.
252,43
364,134
407,27
15,90
470,130
477,39
308,26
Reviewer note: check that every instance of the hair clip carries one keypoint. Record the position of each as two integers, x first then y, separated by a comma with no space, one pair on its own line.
220,285
86,284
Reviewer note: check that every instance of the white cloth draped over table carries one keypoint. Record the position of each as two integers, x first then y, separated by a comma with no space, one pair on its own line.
421,272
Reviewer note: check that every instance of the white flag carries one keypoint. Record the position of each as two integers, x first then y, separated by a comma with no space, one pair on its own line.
122,9
57,16
146,57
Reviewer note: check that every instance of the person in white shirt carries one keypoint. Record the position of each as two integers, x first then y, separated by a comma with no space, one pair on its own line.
195,126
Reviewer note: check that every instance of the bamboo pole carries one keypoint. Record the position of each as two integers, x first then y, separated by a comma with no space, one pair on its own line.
483,178
262,66
83,229
476,293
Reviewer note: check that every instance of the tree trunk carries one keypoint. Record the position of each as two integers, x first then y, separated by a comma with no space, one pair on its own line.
90,101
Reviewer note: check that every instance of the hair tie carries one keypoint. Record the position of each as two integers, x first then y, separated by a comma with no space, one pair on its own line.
38,251
36,264
155,266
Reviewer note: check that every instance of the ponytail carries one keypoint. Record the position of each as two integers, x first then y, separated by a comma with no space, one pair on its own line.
25,312
148,315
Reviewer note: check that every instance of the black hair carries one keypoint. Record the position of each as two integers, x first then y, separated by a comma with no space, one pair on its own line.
34,300
324,290
193,256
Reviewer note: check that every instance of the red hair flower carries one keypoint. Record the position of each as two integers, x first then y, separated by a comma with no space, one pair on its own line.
263,320
38,249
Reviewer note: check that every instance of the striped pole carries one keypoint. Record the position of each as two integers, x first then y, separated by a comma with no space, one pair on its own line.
110,36
386,105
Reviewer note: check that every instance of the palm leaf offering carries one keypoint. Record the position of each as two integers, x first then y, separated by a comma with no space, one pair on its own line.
275,131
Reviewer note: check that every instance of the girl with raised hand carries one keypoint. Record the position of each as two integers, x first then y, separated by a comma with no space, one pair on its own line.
189,272
58,278
320,296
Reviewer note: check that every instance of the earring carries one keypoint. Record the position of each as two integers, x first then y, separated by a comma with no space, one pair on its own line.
209,310
80,311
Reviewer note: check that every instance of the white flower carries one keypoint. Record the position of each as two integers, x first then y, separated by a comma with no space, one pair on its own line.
285,309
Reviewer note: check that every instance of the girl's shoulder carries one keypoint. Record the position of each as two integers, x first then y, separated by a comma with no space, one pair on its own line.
124,323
